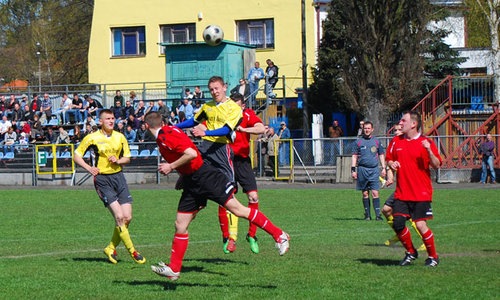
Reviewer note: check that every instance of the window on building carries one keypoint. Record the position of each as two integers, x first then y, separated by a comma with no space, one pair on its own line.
259,33
177,33
129,41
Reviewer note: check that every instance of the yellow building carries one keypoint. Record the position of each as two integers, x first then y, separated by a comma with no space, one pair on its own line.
125,35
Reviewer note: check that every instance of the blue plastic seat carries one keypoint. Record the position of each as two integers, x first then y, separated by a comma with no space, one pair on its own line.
8,155
1,155
71,132
53,122
134,153
65,154
154,153
144,153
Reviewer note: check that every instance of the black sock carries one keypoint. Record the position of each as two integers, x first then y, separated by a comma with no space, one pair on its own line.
376,206
366,204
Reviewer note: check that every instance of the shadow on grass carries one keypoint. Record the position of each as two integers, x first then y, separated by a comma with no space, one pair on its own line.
395,245
348,219
379,262
217,261
491,250
171,286
87,259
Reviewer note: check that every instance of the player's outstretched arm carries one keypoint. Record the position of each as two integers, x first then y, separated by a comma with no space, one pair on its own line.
186,124
188,155
258,128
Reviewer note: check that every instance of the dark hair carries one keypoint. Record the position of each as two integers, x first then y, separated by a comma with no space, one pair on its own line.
236,97
415,116
187,90
368,123
153,119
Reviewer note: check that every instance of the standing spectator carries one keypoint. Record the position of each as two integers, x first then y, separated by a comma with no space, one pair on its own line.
46,109
128,110
487,149
335,132
271,150
360,129
411,158
254,76
187,95
186,108
163,110
117,111
272,78
3,105
118,97
140,111
130,134
244,89
76,105
369,151
198,94
66,104
133,98
284,149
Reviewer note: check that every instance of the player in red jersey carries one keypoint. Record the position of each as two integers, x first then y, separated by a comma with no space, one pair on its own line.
411,157
200,181
251,124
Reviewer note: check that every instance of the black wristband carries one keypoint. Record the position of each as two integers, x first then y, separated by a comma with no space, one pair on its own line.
353,169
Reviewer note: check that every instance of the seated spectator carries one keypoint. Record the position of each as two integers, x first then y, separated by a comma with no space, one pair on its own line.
120,127
25,128
134,122
24,101
63,137
119,97
186,108
181,116
50,136
173,119
151,107
36,128
46,109
27,114
36,105
118,112
130,134
76,105
17,116
65,106
197,107
141,133
128,110
87,128
23,140
84,110
140,111
4,125
3,105
9,139
133,98
77,135
163,110
198,94
89,121
93,107
10,105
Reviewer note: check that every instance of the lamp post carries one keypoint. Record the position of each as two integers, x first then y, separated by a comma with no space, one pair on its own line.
38,53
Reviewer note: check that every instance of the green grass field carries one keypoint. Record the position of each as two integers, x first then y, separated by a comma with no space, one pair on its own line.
51,244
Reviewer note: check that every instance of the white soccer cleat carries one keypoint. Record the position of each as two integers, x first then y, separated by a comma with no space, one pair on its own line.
283,243
164,270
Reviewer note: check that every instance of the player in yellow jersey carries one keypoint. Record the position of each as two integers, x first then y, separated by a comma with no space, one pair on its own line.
221,116
109,151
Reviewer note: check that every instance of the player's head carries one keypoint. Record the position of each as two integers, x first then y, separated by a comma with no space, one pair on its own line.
153,120
106,119
410,122
217,88
368,128
238,98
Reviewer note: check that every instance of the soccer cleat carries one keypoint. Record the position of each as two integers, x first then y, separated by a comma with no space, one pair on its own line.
138,257
393,240
431,261
253,244
111,254
382,182
422,248
164,270
378,218
408,258
224,247
231,245
367,218
283,245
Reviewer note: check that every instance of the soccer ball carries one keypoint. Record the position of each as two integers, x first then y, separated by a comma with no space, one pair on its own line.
213,35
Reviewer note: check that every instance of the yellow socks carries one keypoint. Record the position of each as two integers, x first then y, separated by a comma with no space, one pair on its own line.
115,240
233,226
125,237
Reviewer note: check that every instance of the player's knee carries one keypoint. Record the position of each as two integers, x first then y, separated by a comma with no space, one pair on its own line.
180,227
387,210
399,223
127,220
253,198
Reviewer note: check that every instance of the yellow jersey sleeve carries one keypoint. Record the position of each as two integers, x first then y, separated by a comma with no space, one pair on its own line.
84,145
125,147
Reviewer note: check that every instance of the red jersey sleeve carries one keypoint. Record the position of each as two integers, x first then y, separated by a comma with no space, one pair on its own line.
435,151
177,140
252,118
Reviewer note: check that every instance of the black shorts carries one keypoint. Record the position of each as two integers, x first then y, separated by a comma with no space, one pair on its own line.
390,200
219,155
205,183
112,187
244,174
416,210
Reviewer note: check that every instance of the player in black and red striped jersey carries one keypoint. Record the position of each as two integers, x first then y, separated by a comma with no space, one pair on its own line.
411,156
250,124
200,181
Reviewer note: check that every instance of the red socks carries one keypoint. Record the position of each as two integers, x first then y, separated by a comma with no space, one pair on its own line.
252,229
428,239
179,247
224,222
263,222
405,238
